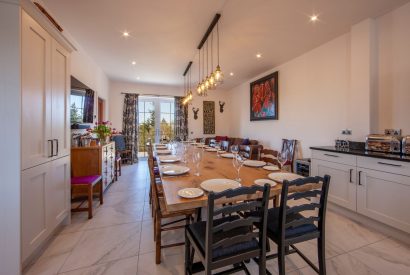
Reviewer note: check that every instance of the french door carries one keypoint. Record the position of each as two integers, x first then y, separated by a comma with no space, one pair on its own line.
156,120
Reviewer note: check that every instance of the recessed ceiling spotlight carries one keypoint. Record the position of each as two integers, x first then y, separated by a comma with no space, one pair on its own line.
138,78
133,63
125,34
258,55
314,18
231,74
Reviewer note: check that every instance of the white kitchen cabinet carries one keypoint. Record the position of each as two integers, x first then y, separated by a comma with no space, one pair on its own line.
45,131
34,204
342,190
374,187
60,94
384,197
36,93
59,191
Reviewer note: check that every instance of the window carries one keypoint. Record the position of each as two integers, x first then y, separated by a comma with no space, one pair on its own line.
77,106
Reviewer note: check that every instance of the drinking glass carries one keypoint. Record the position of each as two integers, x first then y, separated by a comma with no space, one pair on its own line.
235,149
237,162
196,159
282,159
218,149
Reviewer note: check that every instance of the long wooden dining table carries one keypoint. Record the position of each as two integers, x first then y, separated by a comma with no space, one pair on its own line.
212,167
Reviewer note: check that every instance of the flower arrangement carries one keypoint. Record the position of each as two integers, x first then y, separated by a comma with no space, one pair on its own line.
102,130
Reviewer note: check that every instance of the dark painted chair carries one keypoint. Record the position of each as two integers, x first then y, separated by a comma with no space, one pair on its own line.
230,240
287,226
121,148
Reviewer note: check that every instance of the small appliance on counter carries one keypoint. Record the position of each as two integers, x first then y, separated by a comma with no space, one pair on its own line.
405,146
383,143
303,167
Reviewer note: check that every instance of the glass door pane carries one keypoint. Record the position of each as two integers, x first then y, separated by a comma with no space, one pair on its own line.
156,121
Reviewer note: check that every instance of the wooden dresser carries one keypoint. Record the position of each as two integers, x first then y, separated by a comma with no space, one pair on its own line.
94,160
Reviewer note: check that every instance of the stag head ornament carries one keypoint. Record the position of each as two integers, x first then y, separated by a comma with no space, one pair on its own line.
221,106
195,110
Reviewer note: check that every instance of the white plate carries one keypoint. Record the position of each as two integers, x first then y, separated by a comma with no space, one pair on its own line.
262,182
211,150
164,152
190,193
254,163
200,145
280,177
219,185
271,168
227,155
174,170
169,159
161,146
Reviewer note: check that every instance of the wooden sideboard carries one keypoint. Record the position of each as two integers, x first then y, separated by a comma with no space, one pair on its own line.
94,160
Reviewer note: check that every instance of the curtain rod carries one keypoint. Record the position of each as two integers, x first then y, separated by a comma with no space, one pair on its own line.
149,95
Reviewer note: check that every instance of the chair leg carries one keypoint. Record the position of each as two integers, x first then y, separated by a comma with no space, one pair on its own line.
119,166
187,255
101,193
90,201
321,255
281,259
158,241
155,226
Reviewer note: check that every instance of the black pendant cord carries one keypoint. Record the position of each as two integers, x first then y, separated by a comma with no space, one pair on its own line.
212,51
207,68
199,67
217,32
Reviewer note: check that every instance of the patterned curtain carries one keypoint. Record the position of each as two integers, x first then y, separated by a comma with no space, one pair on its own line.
181,119
88,106
130,124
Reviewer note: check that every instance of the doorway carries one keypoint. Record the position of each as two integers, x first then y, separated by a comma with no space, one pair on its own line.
101,109
156,120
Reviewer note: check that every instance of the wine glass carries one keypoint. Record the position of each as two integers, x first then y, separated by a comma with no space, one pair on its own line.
235,149
237,162
217,146
282,159
196,159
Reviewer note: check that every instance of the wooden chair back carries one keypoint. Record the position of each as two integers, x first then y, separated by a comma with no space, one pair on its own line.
269,156
287,210
219,231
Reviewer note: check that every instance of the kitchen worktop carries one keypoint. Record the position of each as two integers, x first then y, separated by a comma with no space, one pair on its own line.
364,153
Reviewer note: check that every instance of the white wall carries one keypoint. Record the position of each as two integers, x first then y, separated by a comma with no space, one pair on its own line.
312,99
222,120
88,72
394,70
359,80
10,116
195,126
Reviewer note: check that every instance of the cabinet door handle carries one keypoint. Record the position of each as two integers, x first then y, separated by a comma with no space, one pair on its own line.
389,164
56,140
52,148
360,178
351,172
330,155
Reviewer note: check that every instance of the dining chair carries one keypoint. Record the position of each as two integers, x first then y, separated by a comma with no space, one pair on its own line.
160,212
289,148
121,148
225,145
229,240
269,156
289,224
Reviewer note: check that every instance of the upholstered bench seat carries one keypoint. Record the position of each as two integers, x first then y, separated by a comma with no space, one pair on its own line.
86,180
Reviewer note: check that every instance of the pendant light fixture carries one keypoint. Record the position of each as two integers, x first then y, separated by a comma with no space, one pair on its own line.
187,85
218,72
198,87
212,81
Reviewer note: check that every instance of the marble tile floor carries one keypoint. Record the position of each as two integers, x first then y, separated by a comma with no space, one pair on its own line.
119,240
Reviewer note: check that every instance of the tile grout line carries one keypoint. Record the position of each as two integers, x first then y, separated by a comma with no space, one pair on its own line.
65,260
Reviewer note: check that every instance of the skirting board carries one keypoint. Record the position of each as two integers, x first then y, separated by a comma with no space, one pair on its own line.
365,221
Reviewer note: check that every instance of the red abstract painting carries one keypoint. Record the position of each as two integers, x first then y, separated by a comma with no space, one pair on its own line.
264,98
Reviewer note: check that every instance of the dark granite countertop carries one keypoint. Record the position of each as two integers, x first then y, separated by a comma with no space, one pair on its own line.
363,153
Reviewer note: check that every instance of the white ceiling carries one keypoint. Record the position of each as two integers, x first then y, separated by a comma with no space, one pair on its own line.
165,33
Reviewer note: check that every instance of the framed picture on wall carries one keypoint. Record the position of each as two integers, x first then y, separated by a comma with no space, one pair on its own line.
264,98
